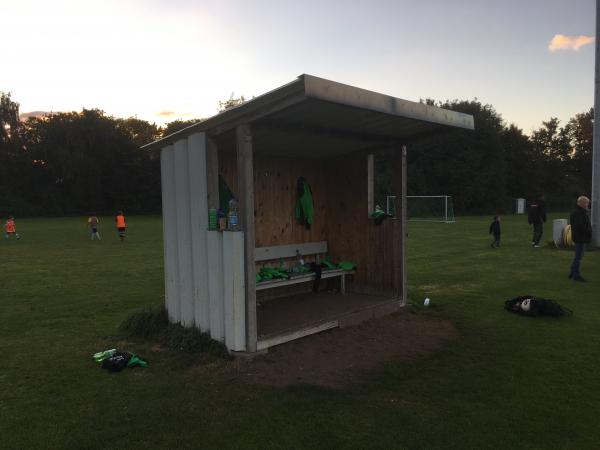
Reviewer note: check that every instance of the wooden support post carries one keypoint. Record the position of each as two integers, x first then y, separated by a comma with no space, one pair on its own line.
398,238
404,231
245,168
370,184
212,173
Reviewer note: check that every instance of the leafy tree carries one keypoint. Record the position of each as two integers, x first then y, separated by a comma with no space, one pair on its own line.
469,165
140,131
553,154
176,125
13,159
580,134
524,173
231,102
90,162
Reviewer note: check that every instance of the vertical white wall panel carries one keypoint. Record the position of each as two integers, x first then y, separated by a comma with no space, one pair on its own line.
169,218
184,233
234,290
215,285
199,224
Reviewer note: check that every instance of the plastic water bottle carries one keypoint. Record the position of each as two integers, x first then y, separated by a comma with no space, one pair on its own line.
233,216
426,302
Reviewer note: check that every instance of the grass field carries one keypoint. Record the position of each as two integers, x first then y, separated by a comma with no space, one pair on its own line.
508,381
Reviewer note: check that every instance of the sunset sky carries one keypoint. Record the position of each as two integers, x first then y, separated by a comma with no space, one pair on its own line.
162,60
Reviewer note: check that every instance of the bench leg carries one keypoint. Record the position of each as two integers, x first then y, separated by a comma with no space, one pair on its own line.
343,284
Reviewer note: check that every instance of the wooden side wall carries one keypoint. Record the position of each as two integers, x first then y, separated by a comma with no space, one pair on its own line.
347,232
353,236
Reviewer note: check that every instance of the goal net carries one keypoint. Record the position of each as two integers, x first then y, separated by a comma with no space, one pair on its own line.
425,208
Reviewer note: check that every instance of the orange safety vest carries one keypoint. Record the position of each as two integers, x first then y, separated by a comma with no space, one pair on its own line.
10,226
121,222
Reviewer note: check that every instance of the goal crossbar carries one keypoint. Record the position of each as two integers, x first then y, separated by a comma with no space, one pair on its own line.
441,210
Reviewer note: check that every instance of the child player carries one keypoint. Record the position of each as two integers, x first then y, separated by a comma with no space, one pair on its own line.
10,228
93,222
495,230
121,225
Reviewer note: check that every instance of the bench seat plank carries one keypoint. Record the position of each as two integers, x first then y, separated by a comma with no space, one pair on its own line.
301,278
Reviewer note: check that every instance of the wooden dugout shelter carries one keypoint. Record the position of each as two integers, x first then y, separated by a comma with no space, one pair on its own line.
326,132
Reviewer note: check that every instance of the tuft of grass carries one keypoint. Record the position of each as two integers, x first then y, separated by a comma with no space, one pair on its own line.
153,324
147,323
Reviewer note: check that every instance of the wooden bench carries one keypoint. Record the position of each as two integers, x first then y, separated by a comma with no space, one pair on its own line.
293,250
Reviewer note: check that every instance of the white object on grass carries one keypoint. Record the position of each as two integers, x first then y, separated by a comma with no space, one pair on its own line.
426,302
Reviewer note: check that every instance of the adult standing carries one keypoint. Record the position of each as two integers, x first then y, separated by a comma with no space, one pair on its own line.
581,232
537,217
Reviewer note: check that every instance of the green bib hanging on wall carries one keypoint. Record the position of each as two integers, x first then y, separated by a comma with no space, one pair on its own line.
305,211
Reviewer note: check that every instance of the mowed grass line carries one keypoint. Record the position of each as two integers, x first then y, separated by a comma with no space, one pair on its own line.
507,382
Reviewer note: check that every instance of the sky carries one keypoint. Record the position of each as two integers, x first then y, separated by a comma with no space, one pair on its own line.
162,60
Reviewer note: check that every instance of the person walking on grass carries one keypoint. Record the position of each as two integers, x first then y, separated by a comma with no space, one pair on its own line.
537,217
581,231
10,228
495,230
93,222
121,225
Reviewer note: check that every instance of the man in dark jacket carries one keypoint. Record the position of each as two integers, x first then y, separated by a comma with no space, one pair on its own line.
537,217
581,232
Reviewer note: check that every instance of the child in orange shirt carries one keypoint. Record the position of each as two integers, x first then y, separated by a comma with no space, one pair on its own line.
10,228
121,225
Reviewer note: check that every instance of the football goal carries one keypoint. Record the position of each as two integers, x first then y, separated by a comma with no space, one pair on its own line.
425,208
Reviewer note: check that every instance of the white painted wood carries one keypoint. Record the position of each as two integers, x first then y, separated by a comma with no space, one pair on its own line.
303,278
218,302
198,205
289,251
215,285
169,218
265,343
234,290
184,233
235,310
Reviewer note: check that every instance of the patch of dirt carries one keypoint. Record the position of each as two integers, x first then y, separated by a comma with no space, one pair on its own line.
338,357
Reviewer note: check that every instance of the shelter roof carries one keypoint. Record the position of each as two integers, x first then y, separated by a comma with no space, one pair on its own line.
315,118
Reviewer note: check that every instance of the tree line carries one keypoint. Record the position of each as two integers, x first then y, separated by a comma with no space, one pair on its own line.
80,162
483,170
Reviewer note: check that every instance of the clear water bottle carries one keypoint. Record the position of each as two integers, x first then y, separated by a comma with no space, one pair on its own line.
233,223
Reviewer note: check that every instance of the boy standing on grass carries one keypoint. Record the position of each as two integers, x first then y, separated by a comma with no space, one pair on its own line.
495,230
10,228
121,225
93,222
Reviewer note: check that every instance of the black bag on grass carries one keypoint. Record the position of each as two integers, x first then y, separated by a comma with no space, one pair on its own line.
116,362
529,305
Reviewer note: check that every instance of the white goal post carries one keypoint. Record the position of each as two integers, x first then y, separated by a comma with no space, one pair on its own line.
424,208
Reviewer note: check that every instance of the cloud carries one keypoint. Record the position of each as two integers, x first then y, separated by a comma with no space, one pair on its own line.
174,114
562,42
